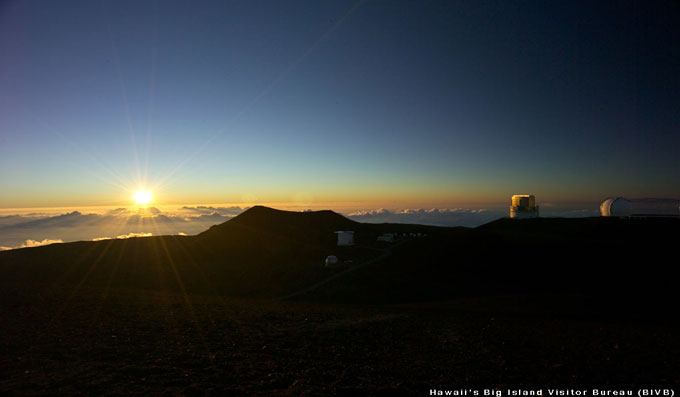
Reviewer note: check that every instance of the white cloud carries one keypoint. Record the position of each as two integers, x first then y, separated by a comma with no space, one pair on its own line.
433,216
32,243
570,213
130,235
214,217
11,220
118,212
123,236
226,211
369,213
35,243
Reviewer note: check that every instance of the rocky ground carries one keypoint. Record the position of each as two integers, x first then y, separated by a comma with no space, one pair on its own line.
118,341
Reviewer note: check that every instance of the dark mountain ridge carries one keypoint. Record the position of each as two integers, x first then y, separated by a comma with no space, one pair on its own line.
316,227
268,253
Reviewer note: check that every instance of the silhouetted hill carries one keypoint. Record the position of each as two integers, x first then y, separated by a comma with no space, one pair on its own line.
621,265
277,220
316,227
267,253
585,230
263,252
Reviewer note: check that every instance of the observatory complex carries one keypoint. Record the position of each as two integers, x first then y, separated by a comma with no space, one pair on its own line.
523,206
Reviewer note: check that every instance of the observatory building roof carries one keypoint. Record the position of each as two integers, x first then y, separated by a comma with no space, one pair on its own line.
619,206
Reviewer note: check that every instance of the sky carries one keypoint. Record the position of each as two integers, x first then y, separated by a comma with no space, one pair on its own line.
361,104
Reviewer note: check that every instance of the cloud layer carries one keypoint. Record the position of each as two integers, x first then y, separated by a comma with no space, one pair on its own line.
434,216
17,231
461,216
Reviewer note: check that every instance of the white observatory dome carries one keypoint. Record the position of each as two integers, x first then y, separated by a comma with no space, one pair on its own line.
616,206
332,261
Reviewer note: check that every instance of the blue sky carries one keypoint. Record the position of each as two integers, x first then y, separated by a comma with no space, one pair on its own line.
372,101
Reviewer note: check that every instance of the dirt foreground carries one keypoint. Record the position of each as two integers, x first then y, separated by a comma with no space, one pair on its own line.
143,342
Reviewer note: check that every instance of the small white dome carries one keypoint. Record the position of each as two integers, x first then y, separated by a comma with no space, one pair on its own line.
616,206
332,261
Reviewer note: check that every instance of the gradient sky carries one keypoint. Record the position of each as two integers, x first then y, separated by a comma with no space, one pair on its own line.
331,101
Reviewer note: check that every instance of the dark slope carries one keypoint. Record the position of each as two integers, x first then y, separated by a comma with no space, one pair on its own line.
598,229
310,226
278,232
617,265
268,253
112,316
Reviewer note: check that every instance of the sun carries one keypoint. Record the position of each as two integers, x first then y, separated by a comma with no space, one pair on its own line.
142,197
